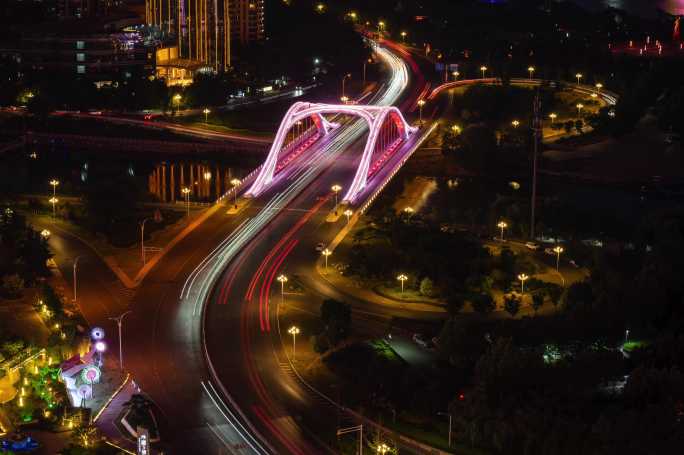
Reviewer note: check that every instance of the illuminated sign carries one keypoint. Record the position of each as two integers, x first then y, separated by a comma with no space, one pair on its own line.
143,442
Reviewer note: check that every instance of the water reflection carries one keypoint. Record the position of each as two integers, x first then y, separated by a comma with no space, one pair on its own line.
206,181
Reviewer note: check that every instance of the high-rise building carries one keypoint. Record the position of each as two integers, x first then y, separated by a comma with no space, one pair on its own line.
247,20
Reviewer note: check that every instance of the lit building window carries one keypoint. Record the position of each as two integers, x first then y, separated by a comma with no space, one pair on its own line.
80,57
80,44
80,69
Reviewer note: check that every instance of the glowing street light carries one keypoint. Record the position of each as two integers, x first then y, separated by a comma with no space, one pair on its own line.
177,99
455,74
456,129
421,103
558,250
326,252
381,26
206,113
348,213
294,331
553,117
502,225
54,183
346,76
186,192
336,189
320,7
53,200
530,69
382,448
594,95
578,76
522,277
119,322
579,107
408,211
235,182
515,123
45,234
599,86
403,36
483,69
402,278
344,99
282,279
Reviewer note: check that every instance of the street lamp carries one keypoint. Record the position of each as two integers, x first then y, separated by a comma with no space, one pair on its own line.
294,331
421,103
530,69
455,74
326,252
142,238
578,76
206,113
349,213
579,107
553,117
74,277
448,415
558,250
54,201
599,86
235,182
100,348
408,211
348,75
336,189
403,36
344,99
282,279
382,448
594,95
177,99
119,321
402,278
364,70
502,225
456,129
45,234
381,26
483,69
54,183
522,277
186,191
515,123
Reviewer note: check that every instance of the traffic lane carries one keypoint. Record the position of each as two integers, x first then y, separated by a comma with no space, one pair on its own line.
100,294
273,400
162,341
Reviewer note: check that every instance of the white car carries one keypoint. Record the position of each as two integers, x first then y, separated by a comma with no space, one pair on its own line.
532,246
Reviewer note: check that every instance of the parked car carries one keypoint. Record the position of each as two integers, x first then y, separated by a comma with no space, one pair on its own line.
532,246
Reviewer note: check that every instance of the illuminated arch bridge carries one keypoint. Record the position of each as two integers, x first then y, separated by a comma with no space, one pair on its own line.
304,123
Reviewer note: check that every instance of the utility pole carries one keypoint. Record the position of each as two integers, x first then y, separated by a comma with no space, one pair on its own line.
536,131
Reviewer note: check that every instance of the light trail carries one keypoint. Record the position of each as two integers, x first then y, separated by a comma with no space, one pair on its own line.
199,284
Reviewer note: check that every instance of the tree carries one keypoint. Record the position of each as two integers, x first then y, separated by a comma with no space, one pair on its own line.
512,304
12,286
427,287
537,301
483,303
336,318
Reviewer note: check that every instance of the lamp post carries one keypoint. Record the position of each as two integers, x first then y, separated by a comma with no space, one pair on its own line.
54,183
119,322
326,252
522,277
448,415
421,103
483,69
515,123
364,70
177,99
558,250
408,211
348,75
344,99
502,225
54,201
348,213
74,277
100,348
142,238
45,234
294,331
578,76
456,129
186,192
530,69
401,279
235,182
382,448
579,107
206,113
282,279
336,189
455,74
403,36
553,117
599,86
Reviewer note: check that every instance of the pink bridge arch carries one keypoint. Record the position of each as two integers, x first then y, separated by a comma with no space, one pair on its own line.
375,117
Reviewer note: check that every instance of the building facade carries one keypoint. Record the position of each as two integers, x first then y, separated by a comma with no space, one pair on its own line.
247,20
